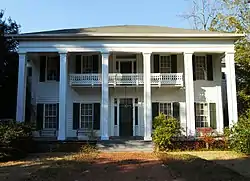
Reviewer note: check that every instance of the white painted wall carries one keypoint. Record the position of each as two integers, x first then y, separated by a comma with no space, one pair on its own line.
48,92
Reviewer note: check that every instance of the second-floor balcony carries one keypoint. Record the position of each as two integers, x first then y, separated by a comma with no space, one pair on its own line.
128,79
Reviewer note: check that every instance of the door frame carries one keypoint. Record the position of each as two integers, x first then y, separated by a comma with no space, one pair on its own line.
117,105
118,62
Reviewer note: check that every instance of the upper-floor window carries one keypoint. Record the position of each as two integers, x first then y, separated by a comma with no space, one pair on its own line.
51,68
165,64
200,68
203,67
87,64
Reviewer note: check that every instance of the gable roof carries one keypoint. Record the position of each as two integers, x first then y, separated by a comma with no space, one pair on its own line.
125,31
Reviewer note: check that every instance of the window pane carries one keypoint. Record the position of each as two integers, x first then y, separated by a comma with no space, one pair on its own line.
200,67
51,68
50,119
201,115
165,64
86,116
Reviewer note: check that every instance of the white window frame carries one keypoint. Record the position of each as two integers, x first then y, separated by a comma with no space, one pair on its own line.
46,70
171,107
80,115
165,58
89,59
208,113
199,70
51,116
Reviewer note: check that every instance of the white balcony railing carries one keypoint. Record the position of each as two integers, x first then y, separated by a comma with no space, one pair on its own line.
157,79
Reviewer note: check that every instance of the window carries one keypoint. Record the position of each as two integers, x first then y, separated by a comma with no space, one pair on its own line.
201,115
86,121
165,64
166,108
87,64
50,116
51,68
200,68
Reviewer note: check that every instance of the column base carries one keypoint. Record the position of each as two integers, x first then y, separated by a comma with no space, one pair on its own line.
61,138
147,138
104,138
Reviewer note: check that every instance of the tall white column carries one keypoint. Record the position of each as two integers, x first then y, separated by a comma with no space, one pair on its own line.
147,97
231,88
63,96
21,89
189,92
105,97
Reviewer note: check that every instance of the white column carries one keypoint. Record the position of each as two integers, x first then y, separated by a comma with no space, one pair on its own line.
63,96
231,88
147,97
21,89
189,92
105,97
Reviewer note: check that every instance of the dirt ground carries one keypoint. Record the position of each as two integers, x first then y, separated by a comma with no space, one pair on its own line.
115,166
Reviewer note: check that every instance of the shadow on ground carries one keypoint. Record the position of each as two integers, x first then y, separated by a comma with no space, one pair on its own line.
117,166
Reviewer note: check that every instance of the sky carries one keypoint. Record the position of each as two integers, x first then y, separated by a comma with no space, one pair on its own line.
42,15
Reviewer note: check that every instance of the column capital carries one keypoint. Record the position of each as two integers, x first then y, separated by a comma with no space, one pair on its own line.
188,52
230,53
105,52
147,53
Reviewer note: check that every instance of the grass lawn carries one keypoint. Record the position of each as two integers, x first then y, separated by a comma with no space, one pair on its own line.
182,166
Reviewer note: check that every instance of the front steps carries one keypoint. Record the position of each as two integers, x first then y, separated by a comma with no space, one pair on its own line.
125,146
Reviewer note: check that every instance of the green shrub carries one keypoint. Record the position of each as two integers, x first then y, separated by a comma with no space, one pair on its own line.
11,132
239,136
165,129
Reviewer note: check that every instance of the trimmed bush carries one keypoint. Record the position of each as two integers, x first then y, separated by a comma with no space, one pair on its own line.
239,135
165,129
14,138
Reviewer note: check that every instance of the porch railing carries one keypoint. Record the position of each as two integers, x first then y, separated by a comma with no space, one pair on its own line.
157,79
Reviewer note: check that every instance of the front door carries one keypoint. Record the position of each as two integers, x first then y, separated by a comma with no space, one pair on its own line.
126,117
126,67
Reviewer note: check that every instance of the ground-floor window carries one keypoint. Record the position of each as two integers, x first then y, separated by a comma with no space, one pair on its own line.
86,116
166,108
205,115
50,116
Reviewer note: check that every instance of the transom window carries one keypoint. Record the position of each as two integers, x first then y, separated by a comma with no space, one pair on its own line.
166,108
87,64
200,68
50,116
201,115
86,121
51,68
165,64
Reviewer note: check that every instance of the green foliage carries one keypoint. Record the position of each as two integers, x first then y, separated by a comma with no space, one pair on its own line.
165,129
13,131
239,135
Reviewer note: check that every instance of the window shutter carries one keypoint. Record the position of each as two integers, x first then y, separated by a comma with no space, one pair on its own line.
155,110
134,66
57,59
212,108
173,63
95,63
156,63
78,64
76,115
194,71
195,114
97,116
136,115
57,116
39,116
209,67
42,68
176,110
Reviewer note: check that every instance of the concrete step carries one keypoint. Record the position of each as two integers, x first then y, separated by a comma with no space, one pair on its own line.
125,145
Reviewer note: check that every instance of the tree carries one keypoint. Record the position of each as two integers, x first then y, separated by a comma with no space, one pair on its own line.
8,66
228,16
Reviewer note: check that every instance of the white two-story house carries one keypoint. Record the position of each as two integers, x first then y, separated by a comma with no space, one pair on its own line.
116,79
